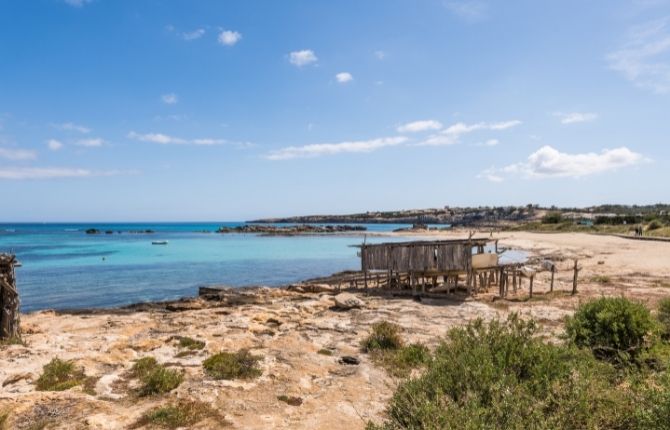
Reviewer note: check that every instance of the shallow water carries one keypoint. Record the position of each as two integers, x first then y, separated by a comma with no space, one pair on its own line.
63,267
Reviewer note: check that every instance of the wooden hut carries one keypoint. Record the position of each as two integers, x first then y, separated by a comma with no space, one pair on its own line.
9,298
419,263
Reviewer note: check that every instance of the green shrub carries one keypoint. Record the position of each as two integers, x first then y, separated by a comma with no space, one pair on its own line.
385,335
500,375
400,362
233,365
155,378
615,329
190,343
664,317
143,366
180,414
552,218
652,409
60,375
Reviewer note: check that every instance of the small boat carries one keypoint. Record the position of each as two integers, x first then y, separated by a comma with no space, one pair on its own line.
159,242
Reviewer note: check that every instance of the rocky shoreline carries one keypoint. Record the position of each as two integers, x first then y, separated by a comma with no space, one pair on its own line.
314,373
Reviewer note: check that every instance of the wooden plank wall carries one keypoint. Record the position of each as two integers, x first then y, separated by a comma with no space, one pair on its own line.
416,257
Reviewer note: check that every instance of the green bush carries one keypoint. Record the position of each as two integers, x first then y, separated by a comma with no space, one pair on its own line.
385,335
233,365
664,317
552,218
500,375
615,329
155,378
400,362
60,375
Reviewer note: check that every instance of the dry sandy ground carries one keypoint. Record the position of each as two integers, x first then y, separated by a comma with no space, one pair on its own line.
287,329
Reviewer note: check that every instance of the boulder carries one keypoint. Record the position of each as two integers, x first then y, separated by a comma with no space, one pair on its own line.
348,301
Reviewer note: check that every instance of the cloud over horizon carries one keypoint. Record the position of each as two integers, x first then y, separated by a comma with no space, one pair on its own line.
548,162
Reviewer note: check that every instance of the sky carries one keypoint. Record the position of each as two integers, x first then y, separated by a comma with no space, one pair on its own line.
194,110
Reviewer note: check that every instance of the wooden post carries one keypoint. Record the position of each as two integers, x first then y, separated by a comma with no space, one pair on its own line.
553,271
531,286
9,299
574,278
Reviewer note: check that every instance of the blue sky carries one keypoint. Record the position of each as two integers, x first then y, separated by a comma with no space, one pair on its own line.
229,110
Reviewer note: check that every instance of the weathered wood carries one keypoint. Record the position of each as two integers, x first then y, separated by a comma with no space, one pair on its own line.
553,272
574,277
9,298
530,288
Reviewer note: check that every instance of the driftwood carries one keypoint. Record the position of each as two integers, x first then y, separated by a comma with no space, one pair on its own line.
9,298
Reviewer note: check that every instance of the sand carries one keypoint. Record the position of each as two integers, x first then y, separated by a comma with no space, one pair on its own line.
287,329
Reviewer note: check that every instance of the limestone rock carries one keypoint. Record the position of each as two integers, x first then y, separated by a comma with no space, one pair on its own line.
348,301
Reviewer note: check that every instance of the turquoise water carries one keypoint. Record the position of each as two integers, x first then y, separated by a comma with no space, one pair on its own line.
65,268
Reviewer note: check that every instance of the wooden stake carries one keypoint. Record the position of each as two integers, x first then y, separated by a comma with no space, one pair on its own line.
574,278
553,271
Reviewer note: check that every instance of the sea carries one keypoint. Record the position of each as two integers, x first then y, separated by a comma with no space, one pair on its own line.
62,267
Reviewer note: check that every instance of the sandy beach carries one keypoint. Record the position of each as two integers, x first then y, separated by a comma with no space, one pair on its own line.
288,329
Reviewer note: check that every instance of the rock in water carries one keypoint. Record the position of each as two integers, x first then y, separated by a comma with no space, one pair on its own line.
348,301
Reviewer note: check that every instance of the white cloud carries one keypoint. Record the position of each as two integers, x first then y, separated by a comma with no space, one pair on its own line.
193,35
90,143
453,133
69,126
54,144
302,58
17,154
418,126
468,10
320,149
644,58
576,117
380,55
164,139
344,77
548,162
19,173
77,3
170,98
490,142
229,38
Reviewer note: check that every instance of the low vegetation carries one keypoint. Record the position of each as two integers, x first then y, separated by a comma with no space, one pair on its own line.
502,374
60,375
664,317
384,336
233,365
155,378
388,350
14,340
189,343
180,414
615,329
325,351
